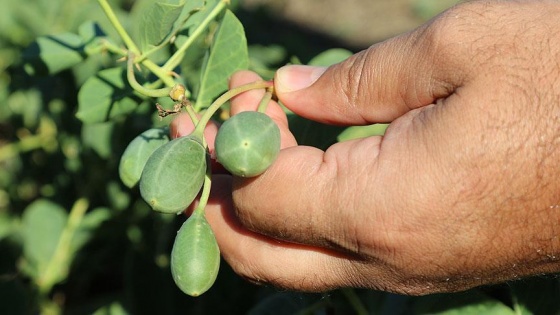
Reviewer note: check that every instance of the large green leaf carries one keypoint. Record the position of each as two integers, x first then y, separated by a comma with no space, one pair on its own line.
54,53
227,55
157,22
194,12
105,96
43,223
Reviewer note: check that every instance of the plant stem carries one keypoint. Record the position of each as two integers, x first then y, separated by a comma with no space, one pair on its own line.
206,187
176,58
265,100
57,269
118,26
226,97
161,73
137,86
192,114
110,47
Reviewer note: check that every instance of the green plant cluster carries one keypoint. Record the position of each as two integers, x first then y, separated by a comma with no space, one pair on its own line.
79,84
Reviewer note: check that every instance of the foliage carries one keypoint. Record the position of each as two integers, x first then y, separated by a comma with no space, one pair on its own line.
73,237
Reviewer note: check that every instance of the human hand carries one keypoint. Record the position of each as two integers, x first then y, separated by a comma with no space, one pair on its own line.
461,191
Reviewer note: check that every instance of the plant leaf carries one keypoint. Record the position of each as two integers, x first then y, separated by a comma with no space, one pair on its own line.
85,231
330,57
98,138
43,223
105,96
157,22
228,54
54,53
194,12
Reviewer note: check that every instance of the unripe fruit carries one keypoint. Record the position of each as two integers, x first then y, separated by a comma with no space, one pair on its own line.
137,153
195,258
247,143
174,174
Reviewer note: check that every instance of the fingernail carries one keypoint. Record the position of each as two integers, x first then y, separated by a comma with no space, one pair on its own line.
294,78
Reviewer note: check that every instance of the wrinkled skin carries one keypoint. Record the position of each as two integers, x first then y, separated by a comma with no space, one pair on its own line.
462,191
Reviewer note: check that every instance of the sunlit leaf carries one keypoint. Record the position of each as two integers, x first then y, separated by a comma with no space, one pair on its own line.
194,12
54,53
227,55
43,222
105,96
157,22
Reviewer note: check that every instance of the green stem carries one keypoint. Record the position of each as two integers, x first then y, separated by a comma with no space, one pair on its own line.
175,60
226,97
107,45
137,86
118,26
265,100
205,195
161,73
192,114
57,268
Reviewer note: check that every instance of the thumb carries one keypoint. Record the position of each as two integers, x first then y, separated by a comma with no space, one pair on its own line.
375,85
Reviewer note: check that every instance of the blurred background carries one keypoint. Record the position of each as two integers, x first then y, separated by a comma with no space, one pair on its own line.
352,23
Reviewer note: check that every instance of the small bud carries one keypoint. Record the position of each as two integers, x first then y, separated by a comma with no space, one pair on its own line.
177,93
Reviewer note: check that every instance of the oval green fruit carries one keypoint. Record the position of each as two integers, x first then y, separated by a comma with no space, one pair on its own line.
195,257
137,153
247,143
174,174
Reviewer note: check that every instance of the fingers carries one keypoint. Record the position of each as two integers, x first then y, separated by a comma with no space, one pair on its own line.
308,196
376,85
265,260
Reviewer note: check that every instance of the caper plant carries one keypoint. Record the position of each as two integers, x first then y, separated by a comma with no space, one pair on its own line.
170,173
